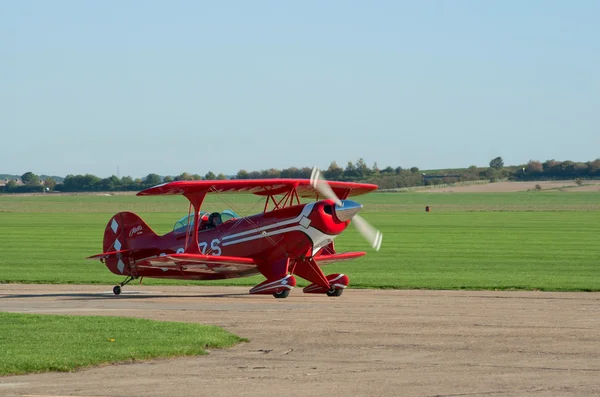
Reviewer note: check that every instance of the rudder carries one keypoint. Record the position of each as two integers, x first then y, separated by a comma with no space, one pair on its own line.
121,231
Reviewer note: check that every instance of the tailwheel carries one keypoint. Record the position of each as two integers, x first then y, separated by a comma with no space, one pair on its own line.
117,288
282,294
335,292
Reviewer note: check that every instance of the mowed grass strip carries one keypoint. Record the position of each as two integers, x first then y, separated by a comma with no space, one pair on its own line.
527,240
500,250
437,250
39,343
246,204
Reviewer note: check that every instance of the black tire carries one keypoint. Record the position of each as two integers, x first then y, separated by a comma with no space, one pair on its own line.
117,290
282,294
335,292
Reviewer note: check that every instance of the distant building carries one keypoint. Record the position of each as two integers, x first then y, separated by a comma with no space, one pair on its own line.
429,177
4,182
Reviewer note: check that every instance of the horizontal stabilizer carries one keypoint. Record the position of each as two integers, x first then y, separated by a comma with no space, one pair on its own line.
112,254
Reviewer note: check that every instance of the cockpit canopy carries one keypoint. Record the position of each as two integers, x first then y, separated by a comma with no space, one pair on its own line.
182,224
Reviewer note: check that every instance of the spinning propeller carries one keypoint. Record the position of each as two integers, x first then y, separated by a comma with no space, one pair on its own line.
346,209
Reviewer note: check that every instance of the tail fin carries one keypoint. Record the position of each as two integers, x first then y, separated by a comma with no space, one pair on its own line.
125,234
122,230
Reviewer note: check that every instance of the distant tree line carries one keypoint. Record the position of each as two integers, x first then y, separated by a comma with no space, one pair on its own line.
386,178
553,169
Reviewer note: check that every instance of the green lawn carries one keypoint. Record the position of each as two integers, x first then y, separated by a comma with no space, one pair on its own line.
528,240
38,343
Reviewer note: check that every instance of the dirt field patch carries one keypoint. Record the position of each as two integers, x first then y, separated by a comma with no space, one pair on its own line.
365,343
500,187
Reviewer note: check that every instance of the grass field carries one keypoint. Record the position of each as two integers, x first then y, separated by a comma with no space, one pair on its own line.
38,343
526,240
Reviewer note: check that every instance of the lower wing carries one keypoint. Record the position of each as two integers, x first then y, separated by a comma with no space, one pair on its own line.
344,256
191,262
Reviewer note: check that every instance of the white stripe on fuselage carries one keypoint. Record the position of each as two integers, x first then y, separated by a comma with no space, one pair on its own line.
318,238
305,212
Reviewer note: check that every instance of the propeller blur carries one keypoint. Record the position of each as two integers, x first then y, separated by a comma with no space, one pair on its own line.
347,209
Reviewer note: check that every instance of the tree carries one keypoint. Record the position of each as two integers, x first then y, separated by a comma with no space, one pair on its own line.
254,175
375,168
78,183
127,182
291,172
110,183
168,179
492,174
362,169
534,167
210,176
152,179
305,172
594,168
568,168
350,171
270,173
50,183
497,163
471,174
185,176
221,177
551,166
10,185
242,174
581,169
30,179
414,170
334,172
26,177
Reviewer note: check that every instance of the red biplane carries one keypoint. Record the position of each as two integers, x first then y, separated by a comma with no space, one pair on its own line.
288,238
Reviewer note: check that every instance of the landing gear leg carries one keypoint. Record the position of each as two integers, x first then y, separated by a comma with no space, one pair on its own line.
117,288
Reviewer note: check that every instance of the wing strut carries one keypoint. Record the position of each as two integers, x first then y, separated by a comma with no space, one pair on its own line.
188,229
286,201
196,199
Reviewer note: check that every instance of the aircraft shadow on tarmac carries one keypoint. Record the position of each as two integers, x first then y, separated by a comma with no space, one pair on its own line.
106,295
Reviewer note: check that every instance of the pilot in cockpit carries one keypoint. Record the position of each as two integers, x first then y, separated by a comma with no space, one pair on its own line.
214,220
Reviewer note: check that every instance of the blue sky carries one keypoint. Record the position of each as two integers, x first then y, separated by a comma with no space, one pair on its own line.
168,87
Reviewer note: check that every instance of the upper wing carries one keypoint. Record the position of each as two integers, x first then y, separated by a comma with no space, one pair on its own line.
261,187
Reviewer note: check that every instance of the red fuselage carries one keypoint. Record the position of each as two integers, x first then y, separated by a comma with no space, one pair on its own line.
293,232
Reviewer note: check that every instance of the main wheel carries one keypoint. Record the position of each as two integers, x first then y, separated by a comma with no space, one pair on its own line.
117,289
335,292
282,294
